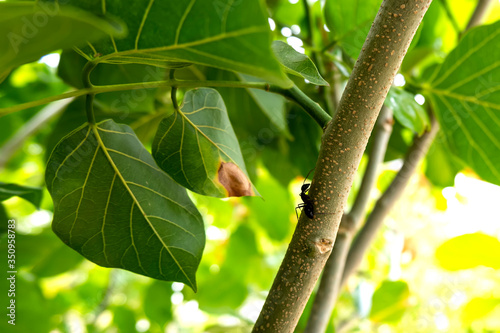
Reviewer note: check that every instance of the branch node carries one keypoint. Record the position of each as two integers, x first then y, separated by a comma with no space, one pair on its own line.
324,245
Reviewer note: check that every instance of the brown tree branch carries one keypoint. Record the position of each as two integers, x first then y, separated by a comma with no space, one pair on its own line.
343,144
329,287
385,203
416,152
479,13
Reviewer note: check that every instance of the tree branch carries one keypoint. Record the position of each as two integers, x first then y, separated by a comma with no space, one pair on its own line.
294,94
479,13
416,152
385,203
329,287
342,147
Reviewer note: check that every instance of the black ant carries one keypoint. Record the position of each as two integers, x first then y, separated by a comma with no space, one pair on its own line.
307,203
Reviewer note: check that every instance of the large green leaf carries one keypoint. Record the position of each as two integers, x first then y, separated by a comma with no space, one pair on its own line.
198,148
29,193
31,29
390,301
226,34
118,209
465,96
297,63
469,251
350,21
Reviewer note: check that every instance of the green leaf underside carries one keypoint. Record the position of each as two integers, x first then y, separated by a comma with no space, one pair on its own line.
29,193
29,31
407,111
114,205
194,143
469,251
227,34
272,105
349,25
465,95
297,63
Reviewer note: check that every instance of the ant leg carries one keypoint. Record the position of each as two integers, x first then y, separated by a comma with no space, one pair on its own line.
299,206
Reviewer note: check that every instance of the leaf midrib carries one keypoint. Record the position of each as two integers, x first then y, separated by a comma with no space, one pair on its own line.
124,182
207,40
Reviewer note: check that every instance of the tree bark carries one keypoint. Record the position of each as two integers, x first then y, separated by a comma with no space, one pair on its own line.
329,286
343,144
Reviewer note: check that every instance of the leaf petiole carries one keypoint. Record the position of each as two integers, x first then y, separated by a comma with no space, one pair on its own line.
294,94
87,69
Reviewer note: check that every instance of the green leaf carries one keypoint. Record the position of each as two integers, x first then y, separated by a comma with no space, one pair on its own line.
29,193
478,308
226,34
464,93
469,251
31,29
70,70
124,319
273,214
441,167
198,148
229,287
297,63
272,105
390,301
44,255
157,303
350,21
118,209
143,124
407,111
30,303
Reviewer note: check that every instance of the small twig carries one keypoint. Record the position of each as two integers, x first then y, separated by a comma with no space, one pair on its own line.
311,107
89,103
307,11
479,13
173,92
294,93
384,204
106,296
